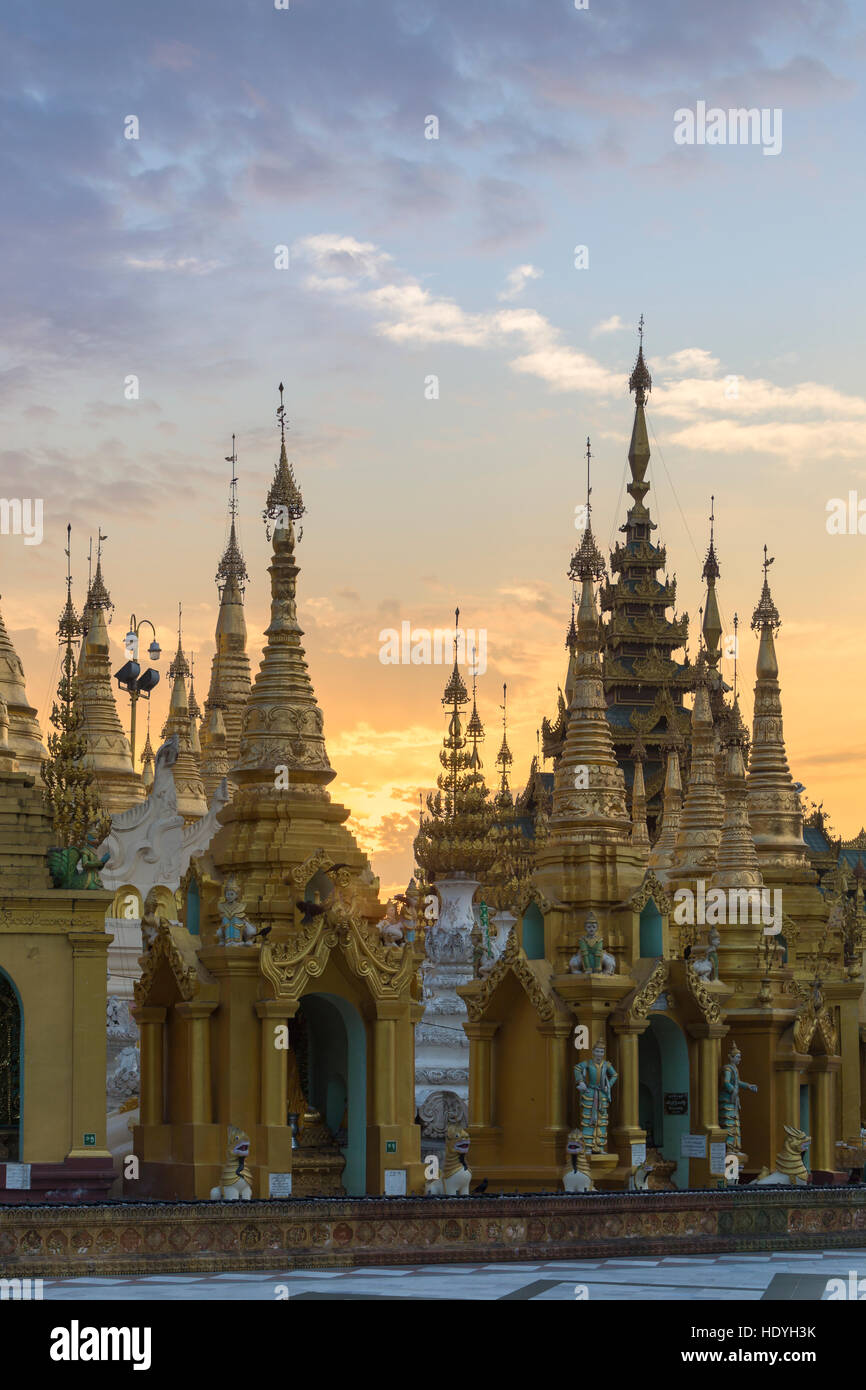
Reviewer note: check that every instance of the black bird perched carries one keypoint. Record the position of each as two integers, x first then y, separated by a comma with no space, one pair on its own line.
262,934
481,1188
310,911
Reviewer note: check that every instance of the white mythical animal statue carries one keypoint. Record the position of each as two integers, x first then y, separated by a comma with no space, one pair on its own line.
149,845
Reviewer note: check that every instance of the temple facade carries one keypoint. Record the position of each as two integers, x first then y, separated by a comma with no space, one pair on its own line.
682,998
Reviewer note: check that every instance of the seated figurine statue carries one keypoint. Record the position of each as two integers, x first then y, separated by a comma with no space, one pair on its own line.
234,929
456,1175
235,1184
390,927
706,964
577,1176
591,958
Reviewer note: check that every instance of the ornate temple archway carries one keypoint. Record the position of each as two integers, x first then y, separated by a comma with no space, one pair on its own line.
663,1097
333,1074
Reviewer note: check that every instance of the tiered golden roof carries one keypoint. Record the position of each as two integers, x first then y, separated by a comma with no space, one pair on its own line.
454,839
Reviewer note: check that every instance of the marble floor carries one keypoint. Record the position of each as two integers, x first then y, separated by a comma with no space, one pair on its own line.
709,1278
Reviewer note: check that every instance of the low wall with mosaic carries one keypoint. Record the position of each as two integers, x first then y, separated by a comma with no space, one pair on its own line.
128,1238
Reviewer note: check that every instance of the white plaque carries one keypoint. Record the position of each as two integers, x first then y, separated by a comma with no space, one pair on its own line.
694,1146
717,1160
279,1184
395,1182
18,1176
638,1154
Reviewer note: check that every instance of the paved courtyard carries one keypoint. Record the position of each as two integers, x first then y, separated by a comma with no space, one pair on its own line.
701,1279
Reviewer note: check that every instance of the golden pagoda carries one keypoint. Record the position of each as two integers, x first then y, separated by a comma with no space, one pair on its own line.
615,1004
108,754
191,799
53,958
230,671
283,1009
25,738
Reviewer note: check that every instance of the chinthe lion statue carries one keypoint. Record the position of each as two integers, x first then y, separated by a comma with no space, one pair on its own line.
790,1170
577,1177
456,1176
235,1184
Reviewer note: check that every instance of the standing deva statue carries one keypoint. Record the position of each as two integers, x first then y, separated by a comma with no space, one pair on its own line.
595,1079
729,1099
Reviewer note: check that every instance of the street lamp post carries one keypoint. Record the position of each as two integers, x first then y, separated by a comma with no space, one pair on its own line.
131,678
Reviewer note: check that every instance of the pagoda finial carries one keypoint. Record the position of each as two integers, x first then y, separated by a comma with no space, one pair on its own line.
587,561
69,625
712,623
180,665
766,614
640,380
284,504
232,563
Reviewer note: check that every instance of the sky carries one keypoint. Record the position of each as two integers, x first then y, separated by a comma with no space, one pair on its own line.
451,318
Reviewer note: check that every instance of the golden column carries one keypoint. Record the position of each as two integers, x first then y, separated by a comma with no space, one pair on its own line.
151,1020
823,1153
274,1015
481,1035
196,1014
89,975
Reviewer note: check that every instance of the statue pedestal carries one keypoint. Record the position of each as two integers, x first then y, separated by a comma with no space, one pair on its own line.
601,1167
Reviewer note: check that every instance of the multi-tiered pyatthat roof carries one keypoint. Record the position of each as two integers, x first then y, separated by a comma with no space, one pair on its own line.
454,838
639,639
509,874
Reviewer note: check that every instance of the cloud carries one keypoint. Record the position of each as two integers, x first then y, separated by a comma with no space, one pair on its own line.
612,325
517,280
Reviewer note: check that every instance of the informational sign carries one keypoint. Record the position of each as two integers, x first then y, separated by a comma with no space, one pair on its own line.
638,1154
694,1146
676,1102
90,1140
390,1146
279,1184
395,1182
18,1176
717,1160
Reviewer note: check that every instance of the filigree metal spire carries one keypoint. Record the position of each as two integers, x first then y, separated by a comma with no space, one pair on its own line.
474,729
69,625
587,561
711,565
504,757
232,564
180,665
766,614
284,502
640,380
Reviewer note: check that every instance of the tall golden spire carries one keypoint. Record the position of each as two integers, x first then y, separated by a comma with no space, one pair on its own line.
700,827
147,759
639,831
712,625
191,800
774,806
640,382
589,799
737,862
230,680
283,725
512,865
662,852
108,754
